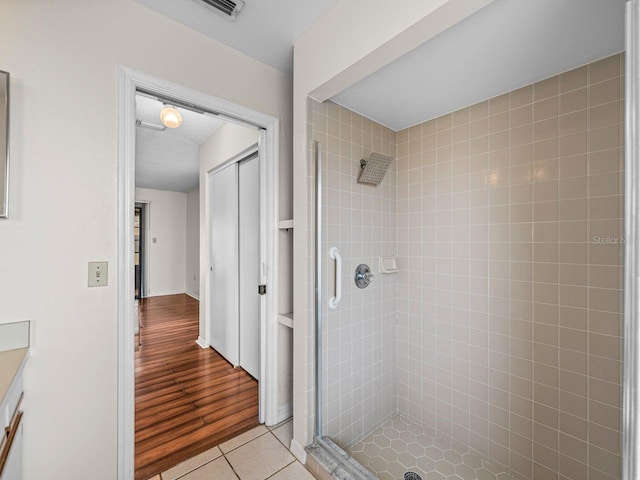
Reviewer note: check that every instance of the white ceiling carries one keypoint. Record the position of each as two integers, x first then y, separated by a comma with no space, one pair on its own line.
264,30
168,159
506,45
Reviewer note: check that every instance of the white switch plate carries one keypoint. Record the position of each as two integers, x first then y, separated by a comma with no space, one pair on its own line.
98,274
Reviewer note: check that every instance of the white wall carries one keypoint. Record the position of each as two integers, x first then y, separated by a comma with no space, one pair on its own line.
223,145
63,58
192,273
167,242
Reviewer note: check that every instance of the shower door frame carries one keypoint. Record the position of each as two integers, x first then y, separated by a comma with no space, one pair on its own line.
318,287
631,359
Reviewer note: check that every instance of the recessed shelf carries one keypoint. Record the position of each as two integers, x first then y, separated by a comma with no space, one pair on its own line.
286,319
285,224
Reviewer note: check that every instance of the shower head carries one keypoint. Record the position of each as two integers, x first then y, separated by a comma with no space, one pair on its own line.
374,169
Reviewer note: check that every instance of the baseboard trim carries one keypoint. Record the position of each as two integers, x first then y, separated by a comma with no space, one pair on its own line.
298,451
202,343
193,295
284,412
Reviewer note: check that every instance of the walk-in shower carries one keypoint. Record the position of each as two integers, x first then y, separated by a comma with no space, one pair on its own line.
494,349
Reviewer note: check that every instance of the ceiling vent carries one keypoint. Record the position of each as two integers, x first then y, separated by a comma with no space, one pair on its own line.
227,8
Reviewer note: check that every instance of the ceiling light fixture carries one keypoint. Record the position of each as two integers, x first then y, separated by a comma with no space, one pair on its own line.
170,117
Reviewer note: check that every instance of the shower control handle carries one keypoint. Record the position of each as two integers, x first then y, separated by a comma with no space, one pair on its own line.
363,276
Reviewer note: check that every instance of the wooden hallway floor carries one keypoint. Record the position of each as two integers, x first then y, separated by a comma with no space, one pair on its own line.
188,399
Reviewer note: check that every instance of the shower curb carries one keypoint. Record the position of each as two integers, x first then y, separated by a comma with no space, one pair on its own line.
337,463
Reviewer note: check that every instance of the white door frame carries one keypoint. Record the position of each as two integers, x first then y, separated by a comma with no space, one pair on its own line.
129,81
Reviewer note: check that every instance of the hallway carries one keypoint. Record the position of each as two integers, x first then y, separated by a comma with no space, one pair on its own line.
188,399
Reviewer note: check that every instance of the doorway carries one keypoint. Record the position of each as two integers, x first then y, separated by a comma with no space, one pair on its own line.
132,83
139,236
190,399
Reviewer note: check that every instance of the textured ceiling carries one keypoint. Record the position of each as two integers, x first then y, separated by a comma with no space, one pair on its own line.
168,159
264,30
506,45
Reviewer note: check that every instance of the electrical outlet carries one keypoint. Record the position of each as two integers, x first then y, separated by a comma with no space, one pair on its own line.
98,274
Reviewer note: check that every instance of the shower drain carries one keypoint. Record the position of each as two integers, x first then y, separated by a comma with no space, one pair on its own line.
412,476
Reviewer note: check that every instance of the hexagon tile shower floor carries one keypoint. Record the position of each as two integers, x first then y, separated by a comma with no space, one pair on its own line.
400,446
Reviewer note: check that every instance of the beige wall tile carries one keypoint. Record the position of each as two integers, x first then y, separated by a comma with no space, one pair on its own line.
508,214
573,79
574,404
545,89
605,161
572,382
605,392
571,468
606,323
573,101
604,92
575,144
573,447
605,69
605,438
547,457
573,339
520,97
521,116
604,138
571,425
605,115
605,415
571,317
499,104
545,109
571,123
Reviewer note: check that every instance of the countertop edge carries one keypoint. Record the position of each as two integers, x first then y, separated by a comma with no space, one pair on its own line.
15,378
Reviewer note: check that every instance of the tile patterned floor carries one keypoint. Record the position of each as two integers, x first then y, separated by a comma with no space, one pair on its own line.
399,446
258,454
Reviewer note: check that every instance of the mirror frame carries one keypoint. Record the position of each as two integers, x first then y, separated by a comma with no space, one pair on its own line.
4,150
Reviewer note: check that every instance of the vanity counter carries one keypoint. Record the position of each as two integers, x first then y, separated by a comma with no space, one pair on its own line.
11,364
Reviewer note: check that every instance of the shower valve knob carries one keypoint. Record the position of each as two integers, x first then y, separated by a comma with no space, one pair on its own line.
363,276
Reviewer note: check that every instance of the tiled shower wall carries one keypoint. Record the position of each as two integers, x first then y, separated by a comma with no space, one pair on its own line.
359,336
509,303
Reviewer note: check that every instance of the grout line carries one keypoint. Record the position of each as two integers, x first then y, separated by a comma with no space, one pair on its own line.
290,463
243,444
231,466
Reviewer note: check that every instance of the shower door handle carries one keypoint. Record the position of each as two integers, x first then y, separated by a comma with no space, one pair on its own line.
335,254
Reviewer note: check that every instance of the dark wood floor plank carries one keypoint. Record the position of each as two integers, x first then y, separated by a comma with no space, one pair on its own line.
188,399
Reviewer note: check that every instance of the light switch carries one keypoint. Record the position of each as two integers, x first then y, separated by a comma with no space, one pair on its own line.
98,274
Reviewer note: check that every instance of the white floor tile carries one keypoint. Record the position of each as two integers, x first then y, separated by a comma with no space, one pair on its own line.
243,438
284,433
260,458
294,471
218,469
191,464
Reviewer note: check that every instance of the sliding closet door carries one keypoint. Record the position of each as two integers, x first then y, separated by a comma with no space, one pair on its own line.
223,270
249,204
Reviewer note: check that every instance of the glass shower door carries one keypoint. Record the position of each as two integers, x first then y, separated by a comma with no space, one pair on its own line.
356,226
